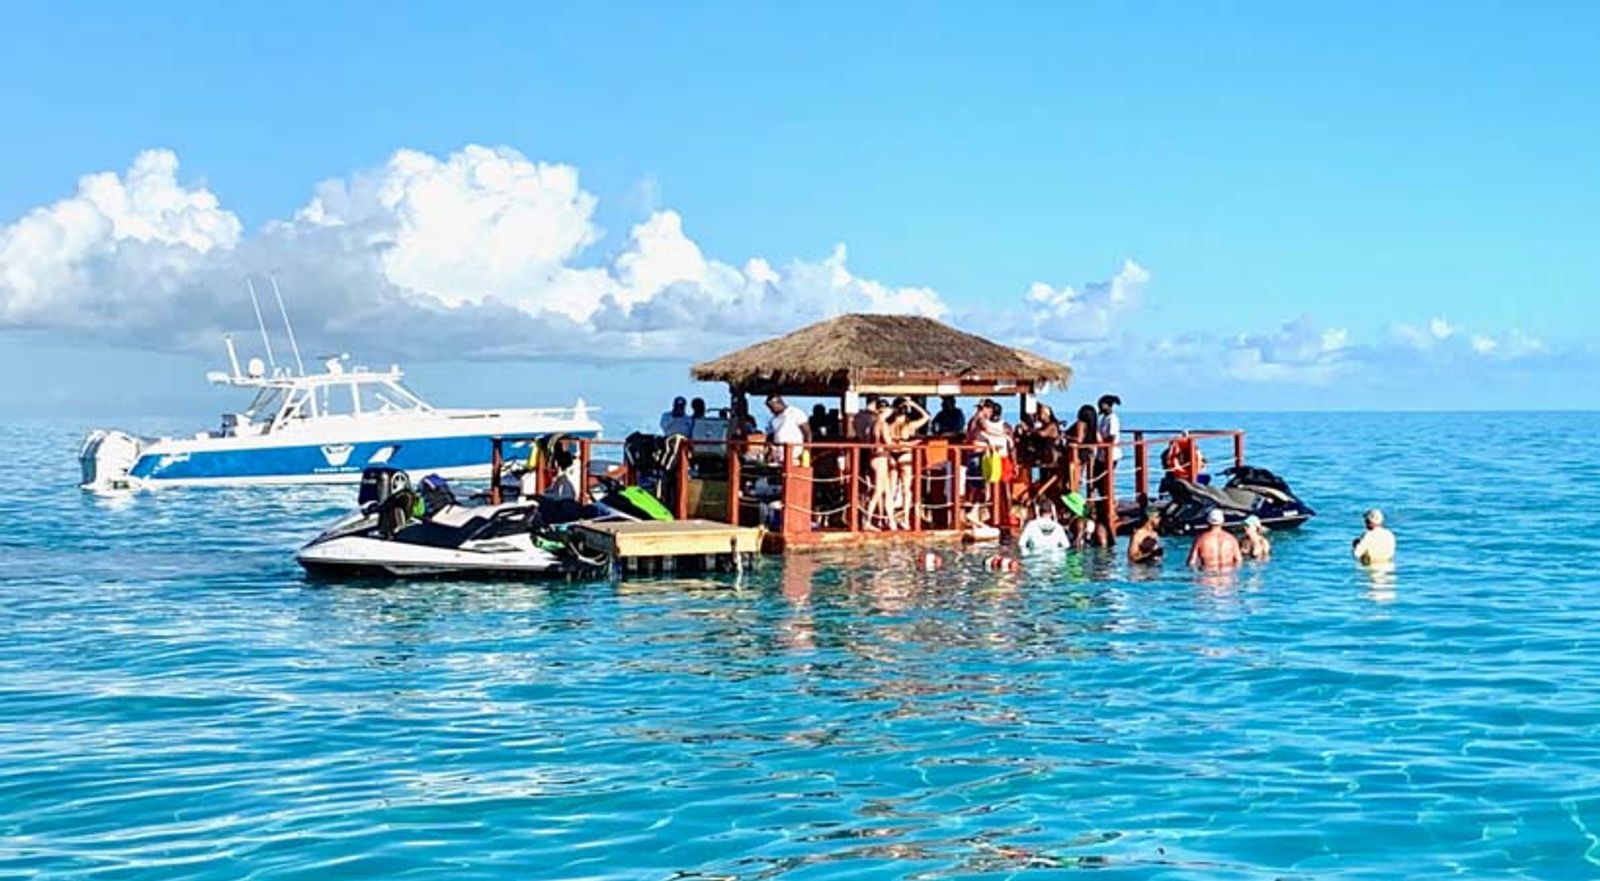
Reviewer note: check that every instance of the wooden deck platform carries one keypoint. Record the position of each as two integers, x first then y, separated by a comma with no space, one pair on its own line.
647,546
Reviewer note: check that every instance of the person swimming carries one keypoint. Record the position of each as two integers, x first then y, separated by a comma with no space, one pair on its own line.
1255,545
1376,545
1215,549
1144,546
1080,527
1043,534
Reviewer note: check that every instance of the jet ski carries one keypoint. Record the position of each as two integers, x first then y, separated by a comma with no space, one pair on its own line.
1249,490
402,532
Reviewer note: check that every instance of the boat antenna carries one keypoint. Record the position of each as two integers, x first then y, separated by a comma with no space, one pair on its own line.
233,356
265,340
300,365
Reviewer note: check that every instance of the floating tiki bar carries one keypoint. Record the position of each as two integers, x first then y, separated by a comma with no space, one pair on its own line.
853,356
816,494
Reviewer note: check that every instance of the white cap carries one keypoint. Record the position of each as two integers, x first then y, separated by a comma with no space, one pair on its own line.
1375,517
1215,517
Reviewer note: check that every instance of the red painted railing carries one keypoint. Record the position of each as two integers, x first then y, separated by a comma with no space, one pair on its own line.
780,488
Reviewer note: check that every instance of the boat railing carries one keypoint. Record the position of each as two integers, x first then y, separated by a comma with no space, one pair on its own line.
820,490
550,412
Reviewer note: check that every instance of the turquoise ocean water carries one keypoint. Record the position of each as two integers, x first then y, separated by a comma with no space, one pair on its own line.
176,702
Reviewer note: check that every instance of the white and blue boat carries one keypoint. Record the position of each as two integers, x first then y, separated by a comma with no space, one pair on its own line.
319,428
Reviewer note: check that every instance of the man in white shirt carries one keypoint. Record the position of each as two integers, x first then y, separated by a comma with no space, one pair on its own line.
787,426
1375,547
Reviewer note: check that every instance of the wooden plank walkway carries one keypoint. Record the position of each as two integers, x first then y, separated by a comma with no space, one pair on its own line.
643,546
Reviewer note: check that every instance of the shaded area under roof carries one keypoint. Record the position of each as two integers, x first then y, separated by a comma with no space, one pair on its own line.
881,352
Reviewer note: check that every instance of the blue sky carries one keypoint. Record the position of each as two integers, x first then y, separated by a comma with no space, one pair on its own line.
1363,205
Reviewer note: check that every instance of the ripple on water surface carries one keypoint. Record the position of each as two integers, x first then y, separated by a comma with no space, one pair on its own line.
179,703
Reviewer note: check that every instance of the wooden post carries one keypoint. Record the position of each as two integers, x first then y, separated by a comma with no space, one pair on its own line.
917,462
958,489
1111,497
1141,469
495,459
1238,449
797,496
583,471
681,503
852,495
735,462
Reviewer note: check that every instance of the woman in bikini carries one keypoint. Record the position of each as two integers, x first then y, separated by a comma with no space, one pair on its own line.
882,469
908,419
1081,436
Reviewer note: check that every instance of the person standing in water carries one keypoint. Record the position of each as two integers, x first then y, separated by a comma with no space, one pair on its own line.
1144,546
1255,545
1043,533
1376,545
1215,549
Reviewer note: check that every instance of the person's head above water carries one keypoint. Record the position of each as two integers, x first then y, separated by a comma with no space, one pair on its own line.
1253,523
1374,518
1076,504
1153,516
1215,517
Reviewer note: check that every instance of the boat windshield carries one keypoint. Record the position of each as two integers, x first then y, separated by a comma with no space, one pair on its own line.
267,403
383,398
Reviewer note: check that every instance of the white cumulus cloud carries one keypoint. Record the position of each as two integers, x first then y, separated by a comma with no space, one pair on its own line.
481,253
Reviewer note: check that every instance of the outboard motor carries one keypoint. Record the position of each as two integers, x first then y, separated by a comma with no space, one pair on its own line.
379,483
106,458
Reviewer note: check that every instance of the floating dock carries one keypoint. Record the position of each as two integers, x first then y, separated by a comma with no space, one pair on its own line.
655,546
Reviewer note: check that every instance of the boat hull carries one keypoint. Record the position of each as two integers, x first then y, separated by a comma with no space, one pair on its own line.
326,460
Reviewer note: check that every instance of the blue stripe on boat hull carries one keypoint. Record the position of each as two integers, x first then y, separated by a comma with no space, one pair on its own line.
324,460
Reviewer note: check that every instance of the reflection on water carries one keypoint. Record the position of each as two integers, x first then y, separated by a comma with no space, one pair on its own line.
1380,582
181,703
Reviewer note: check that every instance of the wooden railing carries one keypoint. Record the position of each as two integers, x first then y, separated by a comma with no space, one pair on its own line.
944,495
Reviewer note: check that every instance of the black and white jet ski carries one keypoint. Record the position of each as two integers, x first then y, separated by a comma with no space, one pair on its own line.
1248,491
402,532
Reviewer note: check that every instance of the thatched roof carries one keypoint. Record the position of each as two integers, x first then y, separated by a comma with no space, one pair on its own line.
860,350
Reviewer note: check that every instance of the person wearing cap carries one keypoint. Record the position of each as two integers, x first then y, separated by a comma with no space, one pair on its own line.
676,420
1144,546
1254,545
1215,549
1376,545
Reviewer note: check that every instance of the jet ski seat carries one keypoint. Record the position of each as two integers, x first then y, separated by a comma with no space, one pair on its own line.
1242,499
456,516
1205,493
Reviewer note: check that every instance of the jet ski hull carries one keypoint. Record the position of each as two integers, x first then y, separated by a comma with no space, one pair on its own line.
1251,491
369,556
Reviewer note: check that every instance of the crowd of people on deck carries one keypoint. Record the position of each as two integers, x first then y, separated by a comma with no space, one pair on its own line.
891,428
